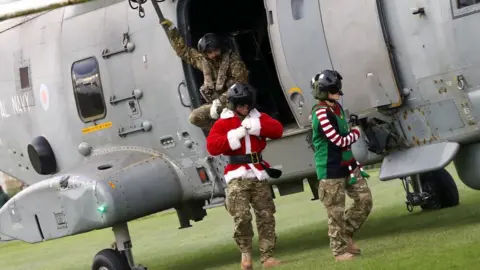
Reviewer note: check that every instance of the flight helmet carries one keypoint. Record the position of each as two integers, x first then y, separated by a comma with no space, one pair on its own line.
327,81
241,94
208,42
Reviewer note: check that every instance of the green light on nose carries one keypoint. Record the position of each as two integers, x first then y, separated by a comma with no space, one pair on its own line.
102,209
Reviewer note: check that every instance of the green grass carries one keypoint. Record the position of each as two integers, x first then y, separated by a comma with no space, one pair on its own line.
392,238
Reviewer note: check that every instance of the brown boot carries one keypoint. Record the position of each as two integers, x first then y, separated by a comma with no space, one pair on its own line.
351,247
271,262
347,256
246,263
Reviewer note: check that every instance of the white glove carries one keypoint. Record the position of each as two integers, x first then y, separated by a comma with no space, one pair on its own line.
213,110
247,123
239,132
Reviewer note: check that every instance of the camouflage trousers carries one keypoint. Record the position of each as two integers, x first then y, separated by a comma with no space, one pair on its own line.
240,194
200,117
343,224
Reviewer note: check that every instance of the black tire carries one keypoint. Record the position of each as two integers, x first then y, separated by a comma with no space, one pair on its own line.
41,156
443,189
109,259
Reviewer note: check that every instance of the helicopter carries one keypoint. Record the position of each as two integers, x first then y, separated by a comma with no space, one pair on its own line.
94,104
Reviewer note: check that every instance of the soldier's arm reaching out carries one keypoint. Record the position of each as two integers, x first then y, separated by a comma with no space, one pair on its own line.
190,55
331,132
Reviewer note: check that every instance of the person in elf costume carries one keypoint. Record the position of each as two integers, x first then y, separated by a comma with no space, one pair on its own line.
337,170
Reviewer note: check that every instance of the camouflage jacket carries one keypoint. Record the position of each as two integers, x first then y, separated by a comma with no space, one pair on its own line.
218,76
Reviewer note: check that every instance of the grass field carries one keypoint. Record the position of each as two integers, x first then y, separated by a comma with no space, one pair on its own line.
392,238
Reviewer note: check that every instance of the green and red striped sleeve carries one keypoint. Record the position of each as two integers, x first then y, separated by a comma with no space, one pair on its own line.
332,134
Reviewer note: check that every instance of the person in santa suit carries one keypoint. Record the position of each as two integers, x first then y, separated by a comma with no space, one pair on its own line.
240,134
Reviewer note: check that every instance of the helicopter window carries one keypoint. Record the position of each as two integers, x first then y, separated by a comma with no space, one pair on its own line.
466,3
88,91
297,9
461,8
24,78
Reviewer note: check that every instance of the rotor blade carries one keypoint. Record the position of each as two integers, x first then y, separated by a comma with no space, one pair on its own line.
26,7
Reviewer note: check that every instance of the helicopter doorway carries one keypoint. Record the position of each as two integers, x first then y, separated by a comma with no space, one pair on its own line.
243,27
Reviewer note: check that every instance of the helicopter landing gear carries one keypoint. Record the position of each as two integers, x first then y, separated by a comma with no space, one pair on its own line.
120,256
431,190
417,197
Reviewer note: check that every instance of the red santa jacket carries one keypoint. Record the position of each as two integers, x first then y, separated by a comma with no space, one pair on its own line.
218,142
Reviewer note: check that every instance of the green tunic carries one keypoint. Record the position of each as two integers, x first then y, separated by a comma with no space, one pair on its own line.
331,139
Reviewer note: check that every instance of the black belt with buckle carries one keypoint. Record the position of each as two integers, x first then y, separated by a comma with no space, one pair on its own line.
252,158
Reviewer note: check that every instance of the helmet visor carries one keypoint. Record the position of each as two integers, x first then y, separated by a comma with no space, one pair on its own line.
211,49
332,90
242,101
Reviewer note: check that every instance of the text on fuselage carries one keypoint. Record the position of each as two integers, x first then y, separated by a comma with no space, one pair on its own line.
19,103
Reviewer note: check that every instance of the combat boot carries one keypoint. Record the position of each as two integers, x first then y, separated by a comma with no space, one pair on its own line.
271,262
347,256
246,263
351,247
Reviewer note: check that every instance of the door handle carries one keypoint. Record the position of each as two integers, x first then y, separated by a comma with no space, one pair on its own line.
128,47
136,94
180,94
144,126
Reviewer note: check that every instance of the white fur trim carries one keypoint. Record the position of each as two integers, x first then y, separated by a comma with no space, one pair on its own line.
254,114
248,150
257,173
248,144
243,173
233,141
226,113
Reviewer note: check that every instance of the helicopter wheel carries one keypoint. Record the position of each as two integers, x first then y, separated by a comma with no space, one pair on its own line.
431,190
442,189
120,256
109,259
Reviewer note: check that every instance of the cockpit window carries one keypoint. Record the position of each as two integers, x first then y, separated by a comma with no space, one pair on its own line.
88,91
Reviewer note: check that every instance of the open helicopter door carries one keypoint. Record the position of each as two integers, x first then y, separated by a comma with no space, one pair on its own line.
358,50
298,44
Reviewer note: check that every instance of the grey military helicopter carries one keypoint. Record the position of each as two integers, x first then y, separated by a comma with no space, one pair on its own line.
94,104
